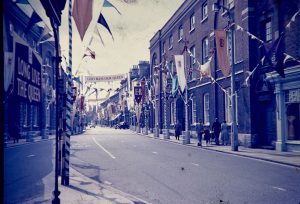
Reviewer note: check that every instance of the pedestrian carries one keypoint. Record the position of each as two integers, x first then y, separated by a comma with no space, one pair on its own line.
178,129
224,133
207,136
216,127
199,130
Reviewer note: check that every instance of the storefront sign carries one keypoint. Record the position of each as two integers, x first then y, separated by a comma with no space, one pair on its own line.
117,77
27,74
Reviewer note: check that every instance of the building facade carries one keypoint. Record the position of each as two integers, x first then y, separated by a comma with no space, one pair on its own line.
29,76
193,26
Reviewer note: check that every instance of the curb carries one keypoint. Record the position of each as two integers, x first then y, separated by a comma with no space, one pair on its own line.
231,153
128,196
27,143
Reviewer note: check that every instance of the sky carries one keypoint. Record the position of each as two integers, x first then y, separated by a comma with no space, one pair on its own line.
132,31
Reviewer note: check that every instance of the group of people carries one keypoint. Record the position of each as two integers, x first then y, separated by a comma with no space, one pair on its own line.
218,130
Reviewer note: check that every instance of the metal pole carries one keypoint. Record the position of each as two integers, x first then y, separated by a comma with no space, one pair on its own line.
56,192
234,136
187,133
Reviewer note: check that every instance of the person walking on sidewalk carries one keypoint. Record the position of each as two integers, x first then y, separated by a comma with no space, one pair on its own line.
207,136
178,129
216,127
199,130
224,133
16,132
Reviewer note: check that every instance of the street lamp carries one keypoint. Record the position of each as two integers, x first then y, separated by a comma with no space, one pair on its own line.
167,91
234,136
53,10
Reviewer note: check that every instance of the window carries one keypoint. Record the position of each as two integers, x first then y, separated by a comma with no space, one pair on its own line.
206,108
164,47
180,33
171,67
228,3
204,50
173,112
204,11
193,59
35,115
292,104
192,22
194,111
268,30
171,42
48,117
227,107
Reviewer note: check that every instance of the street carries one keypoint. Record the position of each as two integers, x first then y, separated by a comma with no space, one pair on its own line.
165,172
28,171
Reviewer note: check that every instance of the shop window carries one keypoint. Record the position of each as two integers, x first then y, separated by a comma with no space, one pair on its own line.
206,108
293,114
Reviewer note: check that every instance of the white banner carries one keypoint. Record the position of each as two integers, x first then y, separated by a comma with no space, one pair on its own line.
106,78
179,62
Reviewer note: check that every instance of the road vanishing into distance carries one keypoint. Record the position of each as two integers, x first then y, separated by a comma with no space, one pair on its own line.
164,172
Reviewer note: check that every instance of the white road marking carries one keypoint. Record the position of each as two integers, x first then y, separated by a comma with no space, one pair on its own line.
195,164
278,188
32,155
154,152
110,154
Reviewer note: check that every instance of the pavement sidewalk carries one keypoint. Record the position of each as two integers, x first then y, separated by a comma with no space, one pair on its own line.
286,158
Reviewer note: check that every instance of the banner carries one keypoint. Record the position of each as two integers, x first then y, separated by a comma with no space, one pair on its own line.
179,62
221,43
116,77
27,79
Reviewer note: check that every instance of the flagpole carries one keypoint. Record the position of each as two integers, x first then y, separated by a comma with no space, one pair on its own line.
186,139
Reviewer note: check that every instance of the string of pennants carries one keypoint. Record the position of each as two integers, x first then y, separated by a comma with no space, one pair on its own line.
204,69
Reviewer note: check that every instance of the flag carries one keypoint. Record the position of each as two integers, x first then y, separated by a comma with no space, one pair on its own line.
179,63
47,40
108,4
174,85
275,55
221,43
206,68
90,53
82,14
35,18
77,79
103,22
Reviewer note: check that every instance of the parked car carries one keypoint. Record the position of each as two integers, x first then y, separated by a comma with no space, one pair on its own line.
122,125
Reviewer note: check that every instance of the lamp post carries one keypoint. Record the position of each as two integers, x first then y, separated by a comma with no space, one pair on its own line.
53,10
167,91
234,135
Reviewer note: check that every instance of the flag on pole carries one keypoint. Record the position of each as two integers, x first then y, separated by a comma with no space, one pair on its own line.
275,55
108,4
44,33
221,43
35,18
47,40
103,22
179,63
82,14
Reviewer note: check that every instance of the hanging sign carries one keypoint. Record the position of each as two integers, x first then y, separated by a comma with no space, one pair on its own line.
138,94
117,77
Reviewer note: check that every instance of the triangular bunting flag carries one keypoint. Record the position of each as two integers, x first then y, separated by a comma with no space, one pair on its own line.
206,69
96,31
103,22
108,4
82,14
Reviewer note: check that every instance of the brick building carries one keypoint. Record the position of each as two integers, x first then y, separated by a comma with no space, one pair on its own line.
193,24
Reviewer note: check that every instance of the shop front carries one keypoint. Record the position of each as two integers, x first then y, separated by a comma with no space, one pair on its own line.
287,91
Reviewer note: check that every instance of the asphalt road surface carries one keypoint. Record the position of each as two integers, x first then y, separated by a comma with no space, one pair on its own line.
164,172
28,171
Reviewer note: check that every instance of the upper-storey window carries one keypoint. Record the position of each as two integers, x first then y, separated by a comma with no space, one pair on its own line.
171,42
180,33
164,47
204,50
192,22
268,30
228,3
204,11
